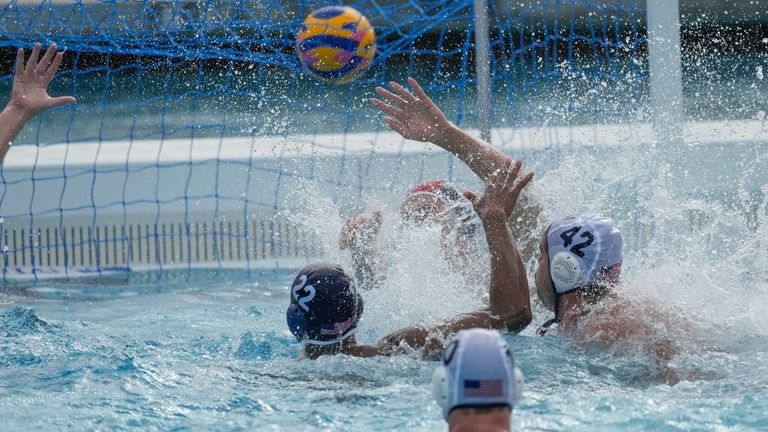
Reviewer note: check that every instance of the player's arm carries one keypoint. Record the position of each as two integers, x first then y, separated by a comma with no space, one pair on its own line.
359,236
416,117
623,327
509,298
662,349
29,95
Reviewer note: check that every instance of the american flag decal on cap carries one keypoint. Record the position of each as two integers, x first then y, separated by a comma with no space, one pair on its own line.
482,388
335,329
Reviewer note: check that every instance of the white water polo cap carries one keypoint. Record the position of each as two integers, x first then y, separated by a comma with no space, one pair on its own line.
478,370
584,251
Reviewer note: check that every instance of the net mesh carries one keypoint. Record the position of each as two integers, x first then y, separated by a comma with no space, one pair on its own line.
196,124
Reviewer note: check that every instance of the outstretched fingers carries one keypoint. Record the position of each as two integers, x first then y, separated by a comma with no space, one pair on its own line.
391,97
386,108
395,124
504,188
32,62
495,180
523,181
19,62
402,92
512,170
417,88
63,100
42,65
54,66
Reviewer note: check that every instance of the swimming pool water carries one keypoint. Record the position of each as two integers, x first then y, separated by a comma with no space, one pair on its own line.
207,350
210,350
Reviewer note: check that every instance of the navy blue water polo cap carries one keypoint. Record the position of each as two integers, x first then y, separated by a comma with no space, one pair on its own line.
325,305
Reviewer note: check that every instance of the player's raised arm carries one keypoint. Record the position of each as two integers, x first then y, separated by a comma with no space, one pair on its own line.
509,294
30,93
359,236
509,306
416,117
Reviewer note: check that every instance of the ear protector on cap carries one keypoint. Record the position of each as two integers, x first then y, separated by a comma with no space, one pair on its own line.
476,373
583,251
440,386
565,270
297,322
519,385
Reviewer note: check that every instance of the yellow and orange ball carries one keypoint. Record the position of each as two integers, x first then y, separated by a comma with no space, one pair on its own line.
336,43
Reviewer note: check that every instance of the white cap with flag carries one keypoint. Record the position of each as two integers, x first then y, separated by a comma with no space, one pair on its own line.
478,370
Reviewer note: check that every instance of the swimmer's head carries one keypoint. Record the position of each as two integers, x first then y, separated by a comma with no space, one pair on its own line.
428,199
477,371
325,306
439,200
578,253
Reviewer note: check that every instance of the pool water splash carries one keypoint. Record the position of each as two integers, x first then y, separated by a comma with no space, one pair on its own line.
420,284
21,321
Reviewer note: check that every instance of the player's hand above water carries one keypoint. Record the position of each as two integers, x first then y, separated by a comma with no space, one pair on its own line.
414,116
360,230
29,95
31,80
502,192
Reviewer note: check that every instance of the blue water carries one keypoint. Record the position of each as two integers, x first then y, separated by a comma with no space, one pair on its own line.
210,351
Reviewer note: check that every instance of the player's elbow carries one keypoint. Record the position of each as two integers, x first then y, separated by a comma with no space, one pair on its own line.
524,318
517,320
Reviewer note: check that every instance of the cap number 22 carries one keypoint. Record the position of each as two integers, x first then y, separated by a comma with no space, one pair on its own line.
309,289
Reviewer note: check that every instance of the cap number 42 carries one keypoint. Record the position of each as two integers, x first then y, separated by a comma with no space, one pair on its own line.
568,236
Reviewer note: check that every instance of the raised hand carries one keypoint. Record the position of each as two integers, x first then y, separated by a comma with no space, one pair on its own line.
30,93
415,117
30,83
502,192
360,230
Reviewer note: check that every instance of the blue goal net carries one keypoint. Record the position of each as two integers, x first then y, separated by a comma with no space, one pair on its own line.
197,132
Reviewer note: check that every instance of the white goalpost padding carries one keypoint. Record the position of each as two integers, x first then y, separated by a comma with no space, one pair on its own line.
665,68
